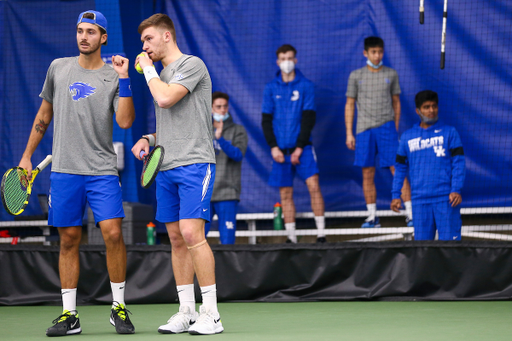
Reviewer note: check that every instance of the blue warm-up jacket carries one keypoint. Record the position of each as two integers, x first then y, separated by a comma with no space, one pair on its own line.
434,160
286,102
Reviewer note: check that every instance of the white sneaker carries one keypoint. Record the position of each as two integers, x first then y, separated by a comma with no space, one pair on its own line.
207,323
179,322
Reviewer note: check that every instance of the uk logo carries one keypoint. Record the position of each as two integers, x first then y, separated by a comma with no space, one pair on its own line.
440,151
80,90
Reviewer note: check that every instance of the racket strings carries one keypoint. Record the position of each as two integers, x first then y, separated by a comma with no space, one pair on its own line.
151,167
15,190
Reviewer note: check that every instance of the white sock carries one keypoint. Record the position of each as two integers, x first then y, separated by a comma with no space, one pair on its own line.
408,209
118,293
209,295
186,296
69,300
290,227
320,225
372,211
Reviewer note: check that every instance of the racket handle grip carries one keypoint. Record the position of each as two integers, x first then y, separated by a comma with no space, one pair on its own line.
47,160
142,154
422,17
442,60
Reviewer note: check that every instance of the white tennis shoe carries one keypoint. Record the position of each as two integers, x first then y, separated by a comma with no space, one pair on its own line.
207,323
179,322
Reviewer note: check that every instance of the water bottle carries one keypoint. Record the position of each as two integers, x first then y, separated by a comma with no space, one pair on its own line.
278,217
151,233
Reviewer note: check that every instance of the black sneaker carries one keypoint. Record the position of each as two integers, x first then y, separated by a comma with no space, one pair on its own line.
119,318
65,324
321,240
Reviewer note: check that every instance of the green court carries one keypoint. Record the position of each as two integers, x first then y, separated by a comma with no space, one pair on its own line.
312,321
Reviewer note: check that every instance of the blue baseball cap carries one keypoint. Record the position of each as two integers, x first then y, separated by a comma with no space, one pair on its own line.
98,20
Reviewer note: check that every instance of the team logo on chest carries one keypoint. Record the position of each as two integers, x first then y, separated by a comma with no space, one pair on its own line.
80,90
435,142
295,95
439,150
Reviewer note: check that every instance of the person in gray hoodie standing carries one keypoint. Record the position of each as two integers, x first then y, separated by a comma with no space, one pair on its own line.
230,144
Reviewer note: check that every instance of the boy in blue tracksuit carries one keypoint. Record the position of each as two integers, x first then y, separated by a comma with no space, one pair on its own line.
289,115
432,154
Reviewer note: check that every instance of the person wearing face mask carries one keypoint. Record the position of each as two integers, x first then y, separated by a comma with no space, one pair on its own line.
376,90
432,154
230,144
288,118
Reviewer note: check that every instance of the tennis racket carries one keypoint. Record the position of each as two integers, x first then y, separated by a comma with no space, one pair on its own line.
16,187
152,163
443,38
422,12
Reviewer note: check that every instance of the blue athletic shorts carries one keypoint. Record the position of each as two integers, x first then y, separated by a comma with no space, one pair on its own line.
438,215
381,141
282,174
70,192
184,192
226,212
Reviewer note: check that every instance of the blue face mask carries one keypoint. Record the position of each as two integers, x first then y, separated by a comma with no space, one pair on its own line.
368,62
218,117
427,120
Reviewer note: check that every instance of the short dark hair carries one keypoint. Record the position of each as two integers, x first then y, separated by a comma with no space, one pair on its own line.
425,96
159,20
286,48
218,94
373,42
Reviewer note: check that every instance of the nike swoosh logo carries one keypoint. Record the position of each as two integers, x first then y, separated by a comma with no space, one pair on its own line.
217,320
74,324
438,131
180,291
106,80
205,209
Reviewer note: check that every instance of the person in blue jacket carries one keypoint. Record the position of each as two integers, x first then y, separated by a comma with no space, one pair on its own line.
289,115
432,154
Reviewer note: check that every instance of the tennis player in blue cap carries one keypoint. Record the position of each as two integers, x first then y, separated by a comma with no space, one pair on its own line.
83,95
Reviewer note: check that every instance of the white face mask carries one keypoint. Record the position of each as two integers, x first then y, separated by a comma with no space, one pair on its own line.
287,66
219,117
427,120
369,62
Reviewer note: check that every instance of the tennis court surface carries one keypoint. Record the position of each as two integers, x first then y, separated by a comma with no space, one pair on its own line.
313,321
